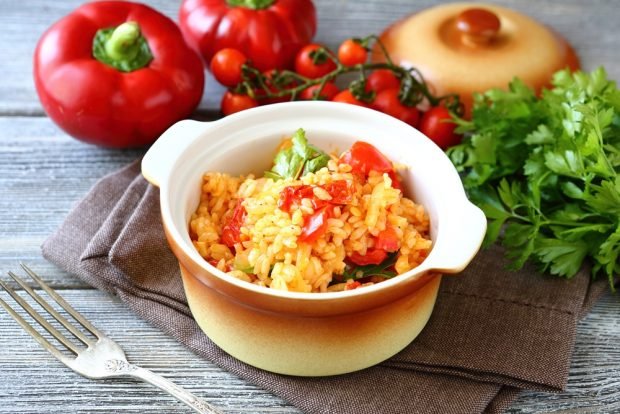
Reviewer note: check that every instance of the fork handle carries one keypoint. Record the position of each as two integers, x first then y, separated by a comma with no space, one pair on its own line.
171,388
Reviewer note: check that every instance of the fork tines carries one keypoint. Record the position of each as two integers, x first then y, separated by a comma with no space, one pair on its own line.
60,337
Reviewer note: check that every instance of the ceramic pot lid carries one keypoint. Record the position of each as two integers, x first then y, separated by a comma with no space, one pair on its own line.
472,47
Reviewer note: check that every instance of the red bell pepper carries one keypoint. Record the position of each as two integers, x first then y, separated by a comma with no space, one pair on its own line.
268,32
116,74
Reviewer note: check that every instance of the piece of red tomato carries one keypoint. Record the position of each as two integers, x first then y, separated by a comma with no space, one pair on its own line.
315,225
291,197
437,124
387,240
341,191
305,66
387,101
364,157
382,79
214,263
352,285
372,256
396,180
231,231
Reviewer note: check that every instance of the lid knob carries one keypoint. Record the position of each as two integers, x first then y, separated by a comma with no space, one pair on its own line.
477,26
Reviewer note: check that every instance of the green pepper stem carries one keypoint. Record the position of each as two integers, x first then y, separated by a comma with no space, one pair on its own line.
122,44
251,4
122,47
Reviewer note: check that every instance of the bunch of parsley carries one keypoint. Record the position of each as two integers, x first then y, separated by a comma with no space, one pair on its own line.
545,171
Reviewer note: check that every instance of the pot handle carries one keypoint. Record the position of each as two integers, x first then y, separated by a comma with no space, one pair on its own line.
463,244
164,152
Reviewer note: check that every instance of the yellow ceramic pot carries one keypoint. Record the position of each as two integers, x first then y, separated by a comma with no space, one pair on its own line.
310,334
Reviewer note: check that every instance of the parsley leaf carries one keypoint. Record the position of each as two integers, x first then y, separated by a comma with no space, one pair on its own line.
315,164
561,257
298,159
384,269
545,171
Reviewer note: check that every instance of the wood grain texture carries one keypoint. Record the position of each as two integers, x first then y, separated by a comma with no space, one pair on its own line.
32,381
594,382
43,173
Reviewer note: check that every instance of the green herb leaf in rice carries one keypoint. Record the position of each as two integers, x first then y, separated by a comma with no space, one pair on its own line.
384,269
297,160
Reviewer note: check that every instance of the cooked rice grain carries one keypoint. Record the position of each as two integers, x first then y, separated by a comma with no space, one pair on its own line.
270,254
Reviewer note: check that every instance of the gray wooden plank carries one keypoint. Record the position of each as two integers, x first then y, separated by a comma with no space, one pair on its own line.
594,381
590,26
33,382
43,173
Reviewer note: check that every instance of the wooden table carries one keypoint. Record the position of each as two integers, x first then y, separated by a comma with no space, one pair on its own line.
43,172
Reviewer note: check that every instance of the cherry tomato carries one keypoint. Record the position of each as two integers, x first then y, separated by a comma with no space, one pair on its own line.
234,102
382,79
437,125
363,158
315,225
305,66
372,256
328,93
387,102
347,97
231,231
352,53
387,240
226,66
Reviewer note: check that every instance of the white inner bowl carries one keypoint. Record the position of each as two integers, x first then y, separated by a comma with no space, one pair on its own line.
246,142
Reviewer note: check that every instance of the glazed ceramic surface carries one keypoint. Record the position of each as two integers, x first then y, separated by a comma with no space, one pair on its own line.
265,327
472,57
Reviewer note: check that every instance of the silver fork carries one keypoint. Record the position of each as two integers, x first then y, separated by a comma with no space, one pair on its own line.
95,359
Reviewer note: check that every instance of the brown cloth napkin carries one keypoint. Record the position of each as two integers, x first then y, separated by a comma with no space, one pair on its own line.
493,332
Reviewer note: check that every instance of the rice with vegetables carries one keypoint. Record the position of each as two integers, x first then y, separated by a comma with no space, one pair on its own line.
313,223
